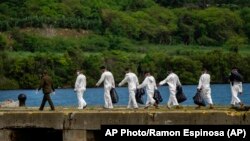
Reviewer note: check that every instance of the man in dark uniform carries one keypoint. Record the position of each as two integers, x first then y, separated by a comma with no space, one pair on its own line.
47,85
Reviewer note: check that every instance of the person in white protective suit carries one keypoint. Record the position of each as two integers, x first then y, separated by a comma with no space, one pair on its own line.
80,88
204,88
236,87
109,82
132,81
150,84
173,81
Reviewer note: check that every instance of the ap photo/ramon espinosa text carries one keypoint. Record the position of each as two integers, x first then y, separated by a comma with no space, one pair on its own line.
195,132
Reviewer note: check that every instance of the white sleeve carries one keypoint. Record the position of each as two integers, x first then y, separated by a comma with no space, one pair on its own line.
164,81
240,87
101,79
84,82
136,81
144,83
77,82
155,85
200,83
113,81
123,81
178,81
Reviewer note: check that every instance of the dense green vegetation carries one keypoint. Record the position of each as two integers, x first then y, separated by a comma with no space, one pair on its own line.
63,35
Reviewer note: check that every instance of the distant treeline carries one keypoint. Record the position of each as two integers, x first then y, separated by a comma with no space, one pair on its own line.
24,70
152,21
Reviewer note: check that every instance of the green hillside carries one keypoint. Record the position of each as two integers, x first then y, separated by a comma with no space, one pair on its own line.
63,35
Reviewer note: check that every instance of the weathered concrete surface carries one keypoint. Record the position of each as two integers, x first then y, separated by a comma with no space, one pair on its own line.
74,135
5,135
92,119
69,124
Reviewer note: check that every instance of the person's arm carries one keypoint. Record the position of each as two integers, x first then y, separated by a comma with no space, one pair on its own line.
240,88
52,85
155,86
165,80
41,84
144,83
84,82
136,81
76,83
101,79
113,81
200,83
123,81
178,82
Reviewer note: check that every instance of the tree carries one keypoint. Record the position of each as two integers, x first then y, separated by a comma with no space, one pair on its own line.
235,43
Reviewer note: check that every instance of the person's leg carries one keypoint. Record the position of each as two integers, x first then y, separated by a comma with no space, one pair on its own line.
43,102
235,100
151,97
50,102
172,99
147,104
107,98
129,99
208,98
80,99
152,100
83,101
132,99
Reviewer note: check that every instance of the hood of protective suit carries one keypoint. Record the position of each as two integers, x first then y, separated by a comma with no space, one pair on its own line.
151,79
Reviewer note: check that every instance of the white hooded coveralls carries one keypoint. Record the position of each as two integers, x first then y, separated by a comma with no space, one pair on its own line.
132,81
109,82
80,87
204,85
149,83
173,81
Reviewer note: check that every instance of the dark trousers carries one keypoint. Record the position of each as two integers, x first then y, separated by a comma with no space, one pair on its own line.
46,97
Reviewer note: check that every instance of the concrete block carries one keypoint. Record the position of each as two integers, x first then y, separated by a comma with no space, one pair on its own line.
74,135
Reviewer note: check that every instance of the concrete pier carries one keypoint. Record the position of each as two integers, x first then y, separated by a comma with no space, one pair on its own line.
68,124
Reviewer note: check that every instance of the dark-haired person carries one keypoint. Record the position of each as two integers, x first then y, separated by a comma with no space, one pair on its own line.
80,88
108,79
132,81
235,79
46,85
204,88
173,81
150,84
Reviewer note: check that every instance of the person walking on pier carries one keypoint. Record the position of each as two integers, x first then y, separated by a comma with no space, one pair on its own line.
47,85
204,88
150,84
132,81
173,81
235,79
109,82
80,88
